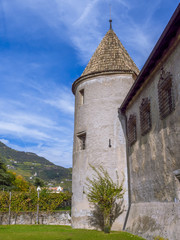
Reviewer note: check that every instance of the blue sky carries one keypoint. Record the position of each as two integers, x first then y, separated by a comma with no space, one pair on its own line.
45,46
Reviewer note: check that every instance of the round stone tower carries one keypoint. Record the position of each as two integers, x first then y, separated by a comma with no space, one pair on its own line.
98,135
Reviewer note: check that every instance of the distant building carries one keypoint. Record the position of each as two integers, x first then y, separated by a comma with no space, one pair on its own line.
55,189
10,167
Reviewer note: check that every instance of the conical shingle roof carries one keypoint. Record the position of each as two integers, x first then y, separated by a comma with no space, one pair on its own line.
110,56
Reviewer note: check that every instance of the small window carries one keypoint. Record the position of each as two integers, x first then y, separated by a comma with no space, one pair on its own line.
165,94
81,93
145,116
82,140
131,130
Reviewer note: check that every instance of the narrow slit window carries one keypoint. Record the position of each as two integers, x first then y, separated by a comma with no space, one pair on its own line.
81,93
165,94
131,130
82,140
145,116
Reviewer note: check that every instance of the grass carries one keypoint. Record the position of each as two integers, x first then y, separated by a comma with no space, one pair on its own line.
47,232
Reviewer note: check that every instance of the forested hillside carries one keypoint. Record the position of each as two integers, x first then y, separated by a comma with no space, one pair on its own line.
30,166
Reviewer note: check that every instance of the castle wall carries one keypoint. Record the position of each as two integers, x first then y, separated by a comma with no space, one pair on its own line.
98,118
153,158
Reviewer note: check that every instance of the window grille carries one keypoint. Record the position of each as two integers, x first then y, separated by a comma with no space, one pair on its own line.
145,116
131,130
165,94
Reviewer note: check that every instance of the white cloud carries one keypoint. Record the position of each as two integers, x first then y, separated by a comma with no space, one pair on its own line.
43,112
38,122
62,104
83,25
5,141
15,129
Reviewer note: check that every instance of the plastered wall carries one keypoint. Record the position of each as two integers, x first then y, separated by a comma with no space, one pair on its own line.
153,159
98,117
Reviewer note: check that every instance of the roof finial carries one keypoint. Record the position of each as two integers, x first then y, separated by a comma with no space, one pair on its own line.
110,20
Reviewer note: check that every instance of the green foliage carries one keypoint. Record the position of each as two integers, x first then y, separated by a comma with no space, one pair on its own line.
38,182
9,180
103,193
6,177
26,164
27,201
159,238
4,201
52,201
45,232
20,184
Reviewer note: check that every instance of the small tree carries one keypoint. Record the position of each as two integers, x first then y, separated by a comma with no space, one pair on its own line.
38,182
103,193
20,184
6,177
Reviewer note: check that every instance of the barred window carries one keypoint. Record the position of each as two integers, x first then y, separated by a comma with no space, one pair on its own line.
131,130
145,116
165,94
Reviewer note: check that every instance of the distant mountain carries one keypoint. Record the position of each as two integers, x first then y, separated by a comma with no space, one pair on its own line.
30,165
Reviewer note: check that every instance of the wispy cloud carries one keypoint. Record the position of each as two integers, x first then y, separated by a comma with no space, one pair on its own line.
33,118
85,25
43,45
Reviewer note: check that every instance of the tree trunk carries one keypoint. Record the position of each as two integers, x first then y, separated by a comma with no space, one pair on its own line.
107,225
16,215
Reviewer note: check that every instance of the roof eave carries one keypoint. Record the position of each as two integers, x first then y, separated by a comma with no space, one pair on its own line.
97,74
163,42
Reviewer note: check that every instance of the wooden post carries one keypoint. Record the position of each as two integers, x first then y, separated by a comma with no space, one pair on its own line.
9,208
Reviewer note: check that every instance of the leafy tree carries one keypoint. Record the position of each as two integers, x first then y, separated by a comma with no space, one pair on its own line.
20,183
6,177
38,182
103,193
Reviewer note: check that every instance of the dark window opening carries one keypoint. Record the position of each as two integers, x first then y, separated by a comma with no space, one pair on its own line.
82,140
81,92
165,94
131,130
145,116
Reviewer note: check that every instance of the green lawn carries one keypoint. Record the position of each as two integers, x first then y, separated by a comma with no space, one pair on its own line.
43,232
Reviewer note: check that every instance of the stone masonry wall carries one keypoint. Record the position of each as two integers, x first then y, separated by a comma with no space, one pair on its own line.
155,219
155,156
155,198
54,218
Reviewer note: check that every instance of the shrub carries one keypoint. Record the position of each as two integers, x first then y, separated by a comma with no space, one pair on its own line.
103,193
159,238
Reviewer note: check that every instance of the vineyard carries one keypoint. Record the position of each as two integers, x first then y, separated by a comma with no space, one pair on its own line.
33,202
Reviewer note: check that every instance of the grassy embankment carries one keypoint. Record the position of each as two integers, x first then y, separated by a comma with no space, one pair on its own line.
43,232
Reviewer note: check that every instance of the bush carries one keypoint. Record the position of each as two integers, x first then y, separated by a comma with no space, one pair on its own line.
159,238
103,193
